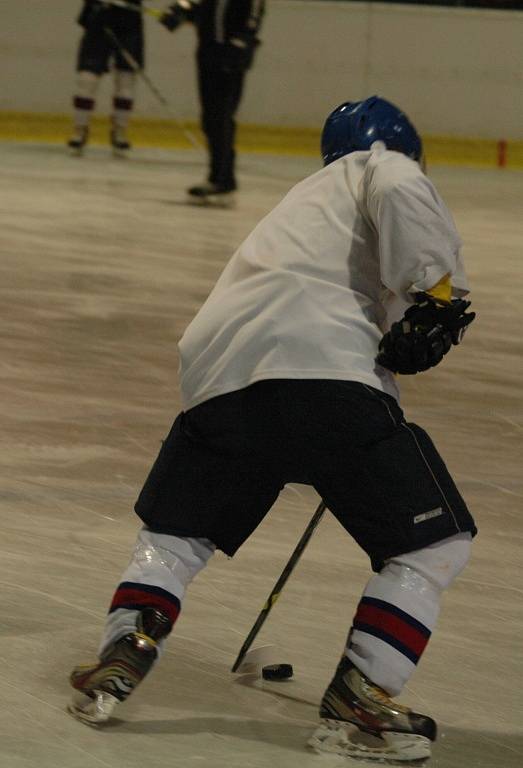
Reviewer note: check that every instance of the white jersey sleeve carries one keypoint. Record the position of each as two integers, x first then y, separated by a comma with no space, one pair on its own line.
418,241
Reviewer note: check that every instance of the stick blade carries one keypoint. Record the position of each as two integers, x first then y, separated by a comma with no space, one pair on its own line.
255,659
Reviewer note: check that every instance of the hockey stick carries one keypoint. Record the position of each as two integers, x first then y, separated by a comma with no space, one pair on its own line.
313,524
156,12
141,73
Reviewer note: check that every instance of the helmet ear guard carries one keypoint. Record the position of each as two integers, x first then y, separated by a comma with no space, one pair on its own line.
355,126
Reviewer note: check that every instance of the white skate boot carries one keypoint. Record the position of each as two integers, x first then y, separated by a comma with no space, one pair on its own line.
359,720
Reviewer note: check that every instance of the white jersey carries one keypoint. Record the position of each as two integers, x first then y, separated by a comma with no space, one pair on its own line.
310,292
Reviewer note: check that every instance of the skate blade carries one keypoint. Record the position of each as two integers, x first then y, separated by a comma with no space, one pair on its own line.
212,201
92,711
347,740
76,151
121,154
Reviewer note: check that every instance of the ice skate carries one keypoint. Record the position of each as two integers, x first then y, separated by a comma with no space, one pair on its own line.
123,665
78,140
359,720
211,195
119,142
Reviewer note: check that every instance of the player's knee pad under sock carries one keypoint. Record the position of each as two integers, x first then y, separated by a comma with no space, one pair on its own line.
439,563
161,569
87,84
124,84
399,609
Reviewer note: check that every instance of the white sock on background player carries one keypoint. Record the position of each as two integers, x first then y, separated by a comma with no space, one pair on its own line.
399,609
84,97
123,102
161,569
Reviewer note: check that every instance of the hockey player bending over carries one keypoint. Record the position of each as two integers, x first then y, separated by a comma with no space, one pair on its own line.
109,29
287,376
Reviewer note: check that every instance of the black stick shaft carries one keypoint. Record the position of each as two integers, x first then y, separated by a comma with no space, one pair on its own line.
280,584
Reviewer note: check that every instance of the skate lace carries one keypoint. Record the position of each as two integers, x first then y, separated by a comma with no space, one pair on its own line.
381,697
146,639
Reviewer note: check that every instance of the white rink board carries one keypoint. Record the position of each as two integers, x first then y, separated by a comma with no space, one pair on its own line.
455,71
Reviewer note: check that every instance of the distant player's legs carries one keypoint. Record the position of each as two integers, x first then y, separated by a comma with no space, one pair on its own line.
143,610
128,55
91,64
123,103
83,103
220,92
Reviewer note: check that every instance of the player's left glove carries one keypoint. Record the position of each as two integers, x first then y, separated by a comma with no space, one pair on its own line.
424,335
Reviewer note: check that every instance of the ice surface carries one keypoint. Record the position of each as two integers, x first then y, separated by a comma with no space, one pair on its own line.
101,268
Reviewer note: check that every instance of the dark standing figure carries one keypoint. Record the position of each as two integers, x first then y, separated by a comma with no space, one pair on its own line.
227,39
108,28
287,375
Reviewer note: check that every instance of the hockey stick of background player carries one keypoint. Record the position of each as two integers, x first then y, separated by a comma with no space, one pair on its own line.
156,12
141,73
279,585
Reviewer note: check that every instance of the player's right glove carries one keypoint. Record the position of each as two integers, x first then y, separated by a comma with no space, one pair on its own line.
182,10
424,335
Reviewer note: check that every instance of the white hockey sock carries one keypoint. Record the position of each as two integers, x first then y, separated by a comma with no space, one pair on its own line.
123,98
399,609
84,97
161,569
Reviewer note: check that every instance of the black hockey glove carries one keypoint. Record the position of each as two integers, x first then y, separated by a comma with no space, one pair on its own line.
182,10
424,335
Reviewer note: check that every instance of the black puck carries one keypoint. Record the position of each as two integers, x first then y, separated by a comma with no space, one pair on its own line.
277,672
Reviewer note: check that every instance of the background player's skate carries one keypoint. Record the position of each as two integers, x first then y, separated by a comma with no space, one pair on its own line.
118,138
78,140
212,195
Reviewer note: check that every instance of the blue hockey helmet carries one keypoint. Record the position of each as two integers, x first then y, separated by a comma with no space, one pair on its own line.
356,125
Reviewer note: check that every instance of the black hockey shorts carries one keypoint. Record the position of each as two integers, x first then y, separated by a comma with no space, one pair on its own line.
97,48
224,462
